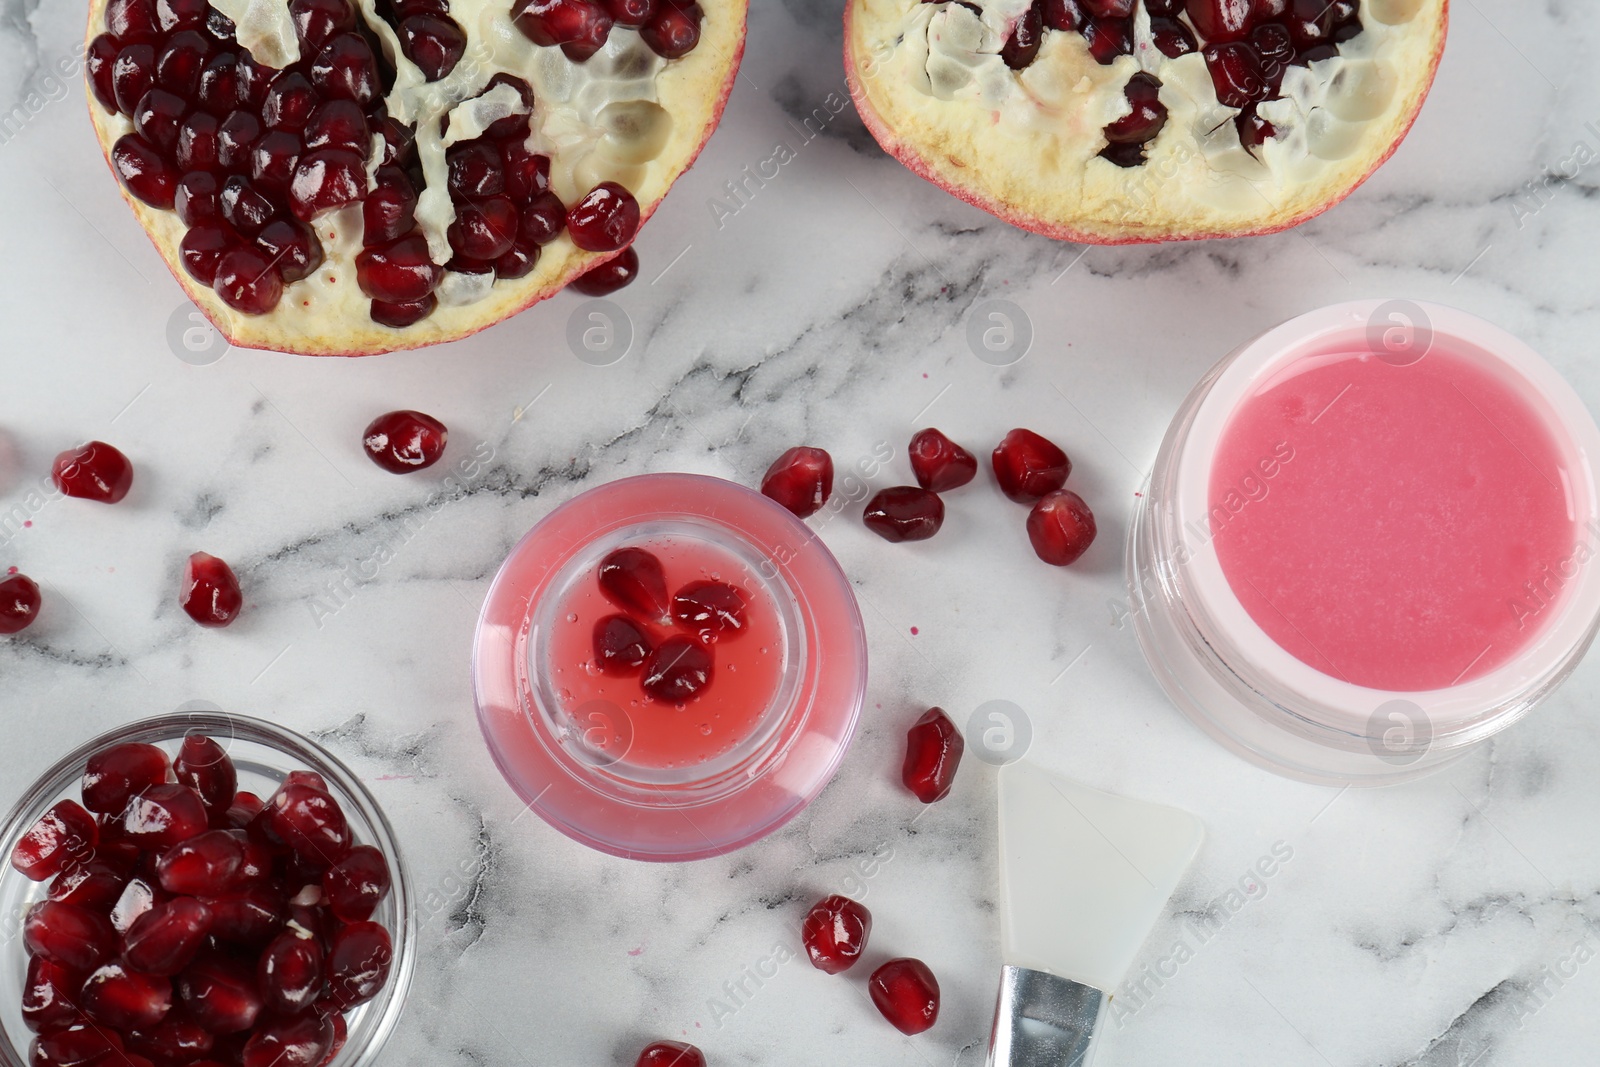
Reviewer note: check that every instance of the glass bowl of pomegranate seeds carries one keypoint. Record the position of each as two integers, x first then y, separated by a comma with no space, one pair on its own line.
202,889
669,667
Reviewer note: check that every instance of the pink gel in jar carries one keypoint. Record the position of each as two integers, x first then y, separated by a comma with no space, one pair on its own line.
607,764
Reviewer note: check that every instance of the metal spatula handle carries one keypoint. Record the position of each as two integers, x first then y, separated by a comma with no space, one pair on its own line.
1042,1020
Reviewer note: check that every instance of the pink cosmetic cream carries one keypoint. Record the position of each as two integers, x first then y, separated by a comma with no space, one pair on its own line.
1369,542
669,667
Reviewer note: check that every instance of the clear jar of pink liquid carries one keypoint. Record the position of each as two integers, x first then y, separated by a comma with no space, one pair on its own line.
602,760
1371,541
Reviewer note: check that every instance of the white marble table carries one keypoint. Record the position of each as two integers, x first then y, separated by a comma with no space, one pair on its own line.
1420,925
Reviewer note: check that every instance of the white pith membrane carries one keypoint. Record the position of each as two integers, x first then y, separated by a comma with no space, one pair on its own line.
1025,144
624,115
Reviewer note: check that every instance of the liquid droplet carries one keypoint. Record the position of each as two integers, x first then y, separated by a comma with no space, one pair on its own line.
572,617
705,729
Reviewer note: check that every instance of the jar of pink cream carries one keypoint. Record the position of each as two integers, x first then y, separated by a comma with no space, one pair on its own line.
602,747
1369,543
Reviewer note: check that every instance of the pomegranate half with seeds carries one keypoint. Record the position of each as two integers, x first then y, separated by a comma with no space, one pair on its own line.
330,177
1117,121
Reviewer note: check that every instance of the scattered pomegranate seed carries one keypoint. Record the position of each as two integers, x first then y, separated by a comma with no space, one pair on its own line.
1061,527
404,441
95,471
137,900
605,220
165,939
204,766
290,974
904,513
309,822
358,963
64,835
670,1054
210,593
162,816
621,645
302,1040
907,994
633,580
204,865
1028,466
933,754
125,999
74,937
95,885
801,480
219,993
677,671
249,917
710,609
835,932
609,276
77,1046
175,1040
115,774
355,885
19,603
49,996
939,463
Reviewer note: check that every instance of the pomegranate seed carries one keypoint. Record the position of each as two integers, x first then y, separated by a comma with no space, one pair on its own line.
49,996
907,994
1221,20
1311,24
527,174
435,43
210,594
243,206
835,932
289,101
904,513
801,480
138,899
1108,39
157,118
127,1000
197,152
346,69
64,835
609,276
1028,466
399,272
404,441
78,1046
132,20
355,885
677,671
255,80
256,865
19,603
1027,34
1253,129
95,471
1172,37
175,1040
251,916
203,247
164,815
235,138
512,126
631,12
1236,73
71,936
939,463
621,645
1061,527
114,775
309,822
294,250
484,230
1148,116
518,262
401,315
273,160
338,124
674,30
562,22
710,609
220,994
670,1054
605,219
358,963
543,219
164,940
315,21
95,885
203,865
98,59
245,807
218,89
389,212
204,766
1063,14
326,180
475,171
246,281
1273,43
634,581
133,72
144,171
178,65
933,753
300,1041
290,972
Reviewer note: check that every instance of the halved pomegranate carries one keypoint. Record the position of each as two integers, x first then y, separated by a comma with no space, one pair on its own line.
1116,121
333,178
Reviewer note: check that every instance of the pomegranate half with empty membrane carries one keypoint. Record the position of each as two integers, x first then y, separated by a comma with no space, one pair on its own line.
334,177
1116,121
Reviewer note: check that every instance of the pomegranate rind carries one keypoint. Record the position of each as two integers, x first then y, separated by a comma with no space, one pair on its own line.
694,89
1075,196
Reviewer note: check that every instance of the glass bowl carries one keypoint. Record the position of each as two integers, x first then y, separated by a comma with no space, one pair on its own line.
263,753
